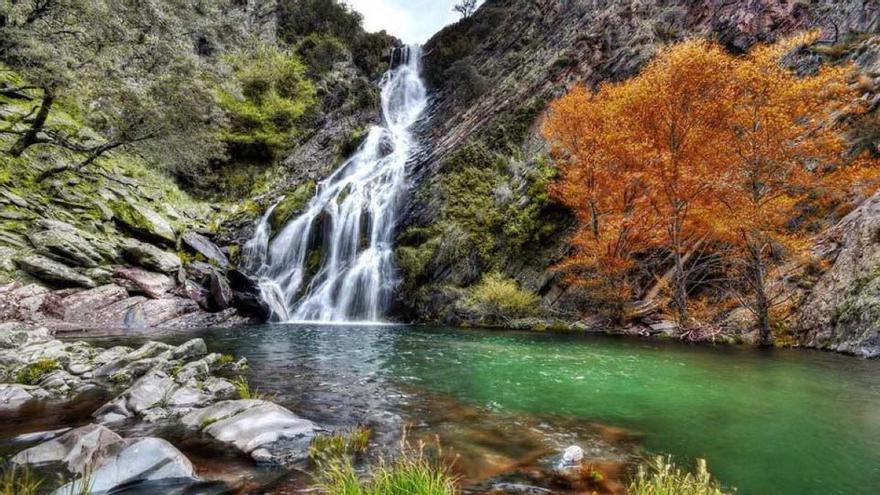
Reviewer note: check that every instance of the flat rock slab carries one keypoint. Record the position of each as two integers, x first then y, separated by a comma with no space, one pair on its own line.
53,272
264,430
202,245
153,285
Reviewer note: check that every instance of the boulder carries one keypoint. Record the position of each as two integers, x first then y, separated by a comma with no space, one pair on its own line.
246,294
221,292
75,450
53,272
158,311
150,257
141,461
22,302
13,396
202,245
143,221
66,245
151,284
265,431
81,306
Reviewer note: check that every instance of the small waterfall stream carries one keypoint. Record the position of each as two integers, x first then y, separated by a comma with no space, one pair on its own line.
353,215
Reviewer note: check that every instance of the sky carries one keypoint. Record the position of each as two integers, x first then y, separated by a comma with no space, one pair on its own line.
413,21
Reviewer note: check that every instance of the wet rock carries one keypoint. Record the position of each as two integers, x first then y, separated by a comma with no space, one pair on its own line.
266,431
158,311
190,349
136,461
14,334
150,257
202,245
196,293
13,396
38,436
153,285
246,294
75,450
53,272
221,292
143,221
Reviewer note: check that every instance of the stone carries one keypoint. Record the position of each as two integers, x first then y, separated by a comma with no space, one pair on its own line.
75,450
665,327
153,389
143,222
66,245
190,349
195,292
221,292
52,272
136,461
199,270
150,257
158,311
152,284
38,436
227,317
202,245
81,306
13,396
247,294
573,455
267,432
99,275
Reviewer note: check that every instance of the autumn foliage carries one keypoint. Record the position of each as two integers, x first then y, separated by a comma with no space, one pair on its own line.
702,146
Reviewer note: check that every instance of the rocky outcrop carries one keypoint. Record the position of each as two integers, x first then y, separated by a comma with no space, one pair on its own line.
52,272
842,310
267,432
202,245
150,257
143,221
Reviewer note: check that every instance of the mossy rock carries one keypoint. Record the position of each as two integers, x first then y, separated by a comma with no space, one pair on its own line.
143,221
293,204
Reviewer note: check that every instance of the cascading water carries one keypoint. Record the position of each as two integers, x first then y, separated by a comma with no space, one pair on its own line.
353,216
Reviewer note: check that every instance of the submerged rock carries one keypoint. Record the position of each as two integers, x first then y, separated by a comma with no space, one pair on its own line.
267,432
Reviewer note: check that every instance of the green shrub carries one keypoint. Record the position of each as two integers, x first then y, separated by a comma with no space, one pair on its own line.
321,52
32,373
497,298
413,472
340,444
265,101
660,476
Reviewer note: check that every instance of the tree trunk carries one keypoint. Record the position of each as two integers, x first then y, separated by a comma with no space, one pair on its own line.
30,137
680,289
762,302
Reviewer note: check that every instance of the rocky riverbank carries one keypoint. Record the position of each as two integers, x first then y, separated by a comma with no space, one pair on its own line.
157,387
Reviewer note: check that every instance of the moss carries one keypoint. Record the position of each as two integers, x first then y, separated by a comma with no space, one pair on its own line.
32,373
292,204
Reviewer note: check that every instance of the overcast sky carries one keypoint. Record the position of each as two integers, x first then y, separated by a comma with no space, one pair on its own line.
413,21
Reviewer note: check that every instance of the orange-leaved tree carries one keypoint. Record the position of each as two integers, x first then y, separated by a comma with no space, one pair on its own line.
600,182
784,142
673,112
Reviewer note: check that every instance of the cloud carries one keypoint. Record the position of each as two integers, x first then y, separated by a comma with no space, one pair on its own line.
413,21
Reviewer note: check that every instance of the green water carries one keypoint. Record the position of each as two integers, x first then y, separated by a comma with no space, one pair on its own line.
768,422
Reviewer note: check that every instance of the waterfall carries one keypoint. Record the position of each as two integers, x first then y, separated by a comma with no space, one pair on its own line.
350,220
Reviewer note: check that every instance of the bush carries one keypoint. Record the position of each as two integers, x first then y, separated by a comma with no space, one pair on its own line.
265,101
466,82
32,373
497,298
413,472
660,476
321,51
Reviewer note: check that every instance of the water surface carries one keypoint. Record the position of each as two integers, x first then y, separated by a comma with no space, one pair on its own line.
768,422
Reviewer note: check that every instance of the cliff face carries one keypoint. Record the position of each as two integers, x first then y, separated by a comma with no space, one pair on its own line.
479,203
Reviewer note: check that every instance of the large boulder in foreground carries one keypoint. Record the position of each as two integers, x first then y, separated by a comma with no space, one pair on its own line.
73,451
143,461
266,431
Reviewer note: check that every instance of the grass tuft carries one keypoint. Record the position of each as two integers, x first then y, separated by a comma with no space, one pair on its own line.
244,390
32,373
19,481
339,444
660,476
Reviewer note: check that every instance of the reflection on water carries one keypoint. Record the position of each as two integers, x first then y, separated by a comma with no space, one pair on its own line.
782,422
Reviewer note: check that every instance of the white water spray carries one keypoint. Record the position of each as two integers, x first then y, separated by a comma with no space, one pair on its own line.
353,216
